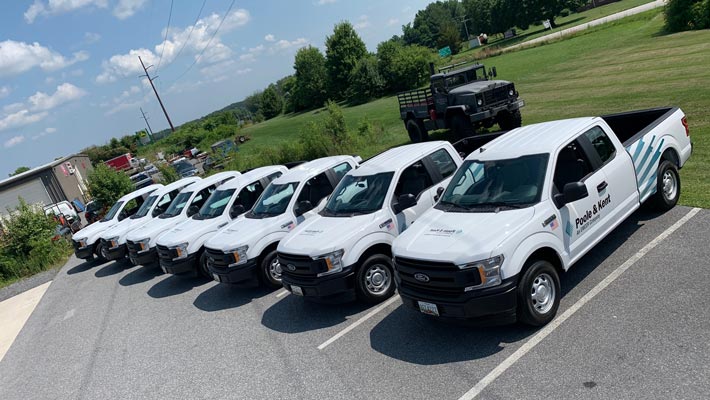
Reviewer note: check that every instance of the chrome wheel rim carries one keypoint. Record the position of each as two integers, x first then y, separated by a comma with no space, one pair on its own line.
275,270
670,185
377,279
542,293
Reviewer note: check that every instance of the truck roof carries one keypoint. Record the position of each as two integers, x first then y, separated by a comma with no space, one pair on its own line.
311,168
457,71
179,184
397,158
211,180
249,177
544,137
140,192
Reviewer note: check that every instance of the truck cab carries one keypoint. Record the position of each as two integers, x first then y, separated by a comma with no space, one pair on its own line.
114,238
246,249
141,242
345,250
87,241
225,204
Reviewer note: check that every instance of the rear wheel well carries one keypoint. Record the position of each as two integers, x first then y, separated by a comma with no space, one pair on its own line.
410,115
380,248
547,254
672,156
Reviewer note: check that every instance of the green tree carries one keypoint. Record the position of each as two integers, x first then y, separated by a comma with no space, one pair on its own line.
479,14
168,174
19,170
426,29
107,185
311,75
386,54
683,15
410,67
365,81
285,87
449,36
539,10
343,50
271,103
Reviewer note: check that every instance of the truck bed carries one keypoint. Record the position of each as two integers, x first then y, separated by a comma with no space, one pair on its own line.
630,126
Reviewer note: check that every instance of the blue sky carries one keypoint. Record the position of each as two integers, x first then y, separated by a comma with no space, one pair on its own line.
69,68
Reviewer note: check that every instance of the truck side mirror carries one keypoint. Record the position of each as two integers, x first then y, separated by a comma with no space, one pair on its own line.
439,192
236,211
192,210
572,192
303,207
494,72
404,202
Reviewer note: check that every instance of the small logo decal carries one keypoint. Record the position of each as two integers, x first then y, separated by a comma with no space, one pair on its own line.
290,267
290,225
421,277
387,224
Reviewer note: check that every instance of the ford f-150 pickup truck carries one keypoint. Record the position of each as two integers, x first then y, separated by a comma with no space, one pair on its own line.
530,204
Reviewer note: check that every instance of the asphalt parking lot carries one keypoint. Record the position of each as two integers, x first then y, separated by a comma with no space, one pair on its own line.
118,331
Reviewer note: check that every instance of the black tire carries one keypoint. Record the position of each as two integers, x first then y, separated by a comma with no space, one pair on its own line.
416,130
202,267
270,273
100,252
667,186
374,280
510,120
539,279
461,126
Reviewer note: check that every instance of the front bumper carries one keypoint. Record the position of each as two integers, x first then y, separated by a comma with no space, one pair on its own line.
84,253
115,253
183,266
140,257
321,287
237,274
493,111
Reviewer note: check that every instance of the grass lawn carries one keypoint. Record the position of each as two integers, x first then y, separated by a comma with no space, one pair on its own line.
624,65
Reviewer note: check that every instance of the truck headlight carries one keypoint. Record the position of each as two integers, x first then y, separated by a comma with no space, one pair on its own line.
113,242
511,93
240,255
480,102
180,251
82,243
333,260
144,245
489,271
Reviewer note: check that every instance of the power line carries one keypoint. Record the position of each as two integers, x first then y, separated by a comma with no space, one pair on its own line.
167,30
192,28
208,43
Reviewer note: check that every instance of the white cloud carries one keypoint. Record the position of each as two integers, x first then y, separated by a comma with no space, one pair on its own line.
269,38
242,71
66,92
126,8
392,21
13,108
14,141
91,37
285,44
323,2
47,131
124,65
248,57
21,118
362,22
4,91
18,57
56,7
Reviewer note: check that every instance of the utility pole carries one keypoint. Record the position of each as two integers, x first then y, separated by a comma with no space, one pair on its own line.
465,25
172,128
150,131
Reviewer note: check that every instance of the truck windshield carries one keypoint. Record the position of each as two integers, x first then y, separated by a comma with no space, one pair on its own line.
215,205
113,211
143,211
176,207
182,166
357,195
274,200
492,185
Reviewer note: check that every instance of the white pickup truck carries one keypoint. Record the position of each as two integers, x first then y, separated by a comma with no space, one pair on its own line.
113,240
86,241
346,249
141,242
229,201
530,204
246,248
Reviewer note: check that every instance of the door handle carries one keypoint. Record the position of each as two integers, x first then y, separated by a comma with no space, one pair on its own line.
602,186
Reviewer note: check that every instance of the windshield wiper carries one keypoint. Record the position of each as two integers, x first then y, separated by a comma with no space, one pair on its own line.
494,204
450,206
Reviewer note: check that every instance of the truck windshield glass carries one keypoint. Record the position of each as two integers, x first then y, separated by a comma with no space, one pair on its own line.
274,200
215,205
176,207
182,166
485,186
113,211
357,195
143,211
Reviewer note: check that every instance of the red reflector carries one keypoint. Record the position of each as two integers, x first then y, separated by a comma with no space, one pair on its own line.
685,125
432,114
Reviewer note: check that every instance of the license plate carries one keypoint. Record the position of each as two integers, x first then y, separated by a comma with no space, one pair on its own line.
216,277
297,290
428,308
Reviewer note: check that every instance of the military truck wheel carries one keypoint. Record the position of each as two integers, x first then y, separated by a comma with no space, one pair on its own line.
510,120
461,126
417,131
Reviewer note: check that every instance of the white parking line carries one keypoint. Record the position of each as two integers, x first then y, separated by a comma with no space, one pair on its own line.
282,293
549,328
358,322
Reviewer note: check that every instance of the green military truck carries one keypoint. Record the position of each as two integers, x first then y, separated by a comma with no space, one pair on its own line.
461,97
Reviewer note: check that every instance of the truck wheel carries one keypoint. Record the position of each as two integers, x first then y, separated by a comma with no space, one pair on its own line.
461,126
417,131
510,120
667,186
270,270
538,294
204,271
101,252
374,280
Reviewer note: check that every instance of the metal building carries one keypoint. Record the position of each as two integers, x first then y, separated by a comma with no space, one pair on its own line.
62,179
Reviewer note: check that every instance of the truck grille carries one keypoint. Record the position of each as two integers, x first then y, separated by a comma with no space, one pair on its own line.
497,95
76,245
218,259
133,248
445,280
165,253
303,266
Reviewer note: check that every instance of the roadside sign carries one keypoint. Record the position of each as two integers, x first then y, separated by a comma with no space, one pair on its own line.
546,23
445,52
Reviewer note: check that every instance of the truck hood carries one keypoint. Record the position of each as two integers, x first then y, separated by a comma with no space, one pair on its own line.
248,231
190,230
477,87
154,228
122,228
91,232
459,237
320,235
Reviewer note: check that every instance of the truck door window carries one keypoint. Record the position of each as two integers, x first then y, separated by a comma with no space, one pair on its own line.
248,196
443,162
341,170
414,180
316,189
572,166
201,197
164,202
601,143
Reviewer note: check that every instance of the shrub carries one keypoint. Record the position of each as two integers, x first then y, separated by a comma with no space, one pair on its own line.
168,174
366,83
683,15
565,12
108,185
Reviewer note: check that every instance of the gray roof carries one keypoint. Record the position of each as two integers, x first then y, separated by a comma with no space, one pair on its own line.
39,169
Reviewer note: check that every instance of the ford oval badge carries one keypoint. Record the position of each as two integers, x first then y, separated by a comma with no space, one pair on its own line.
290,267
421,277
